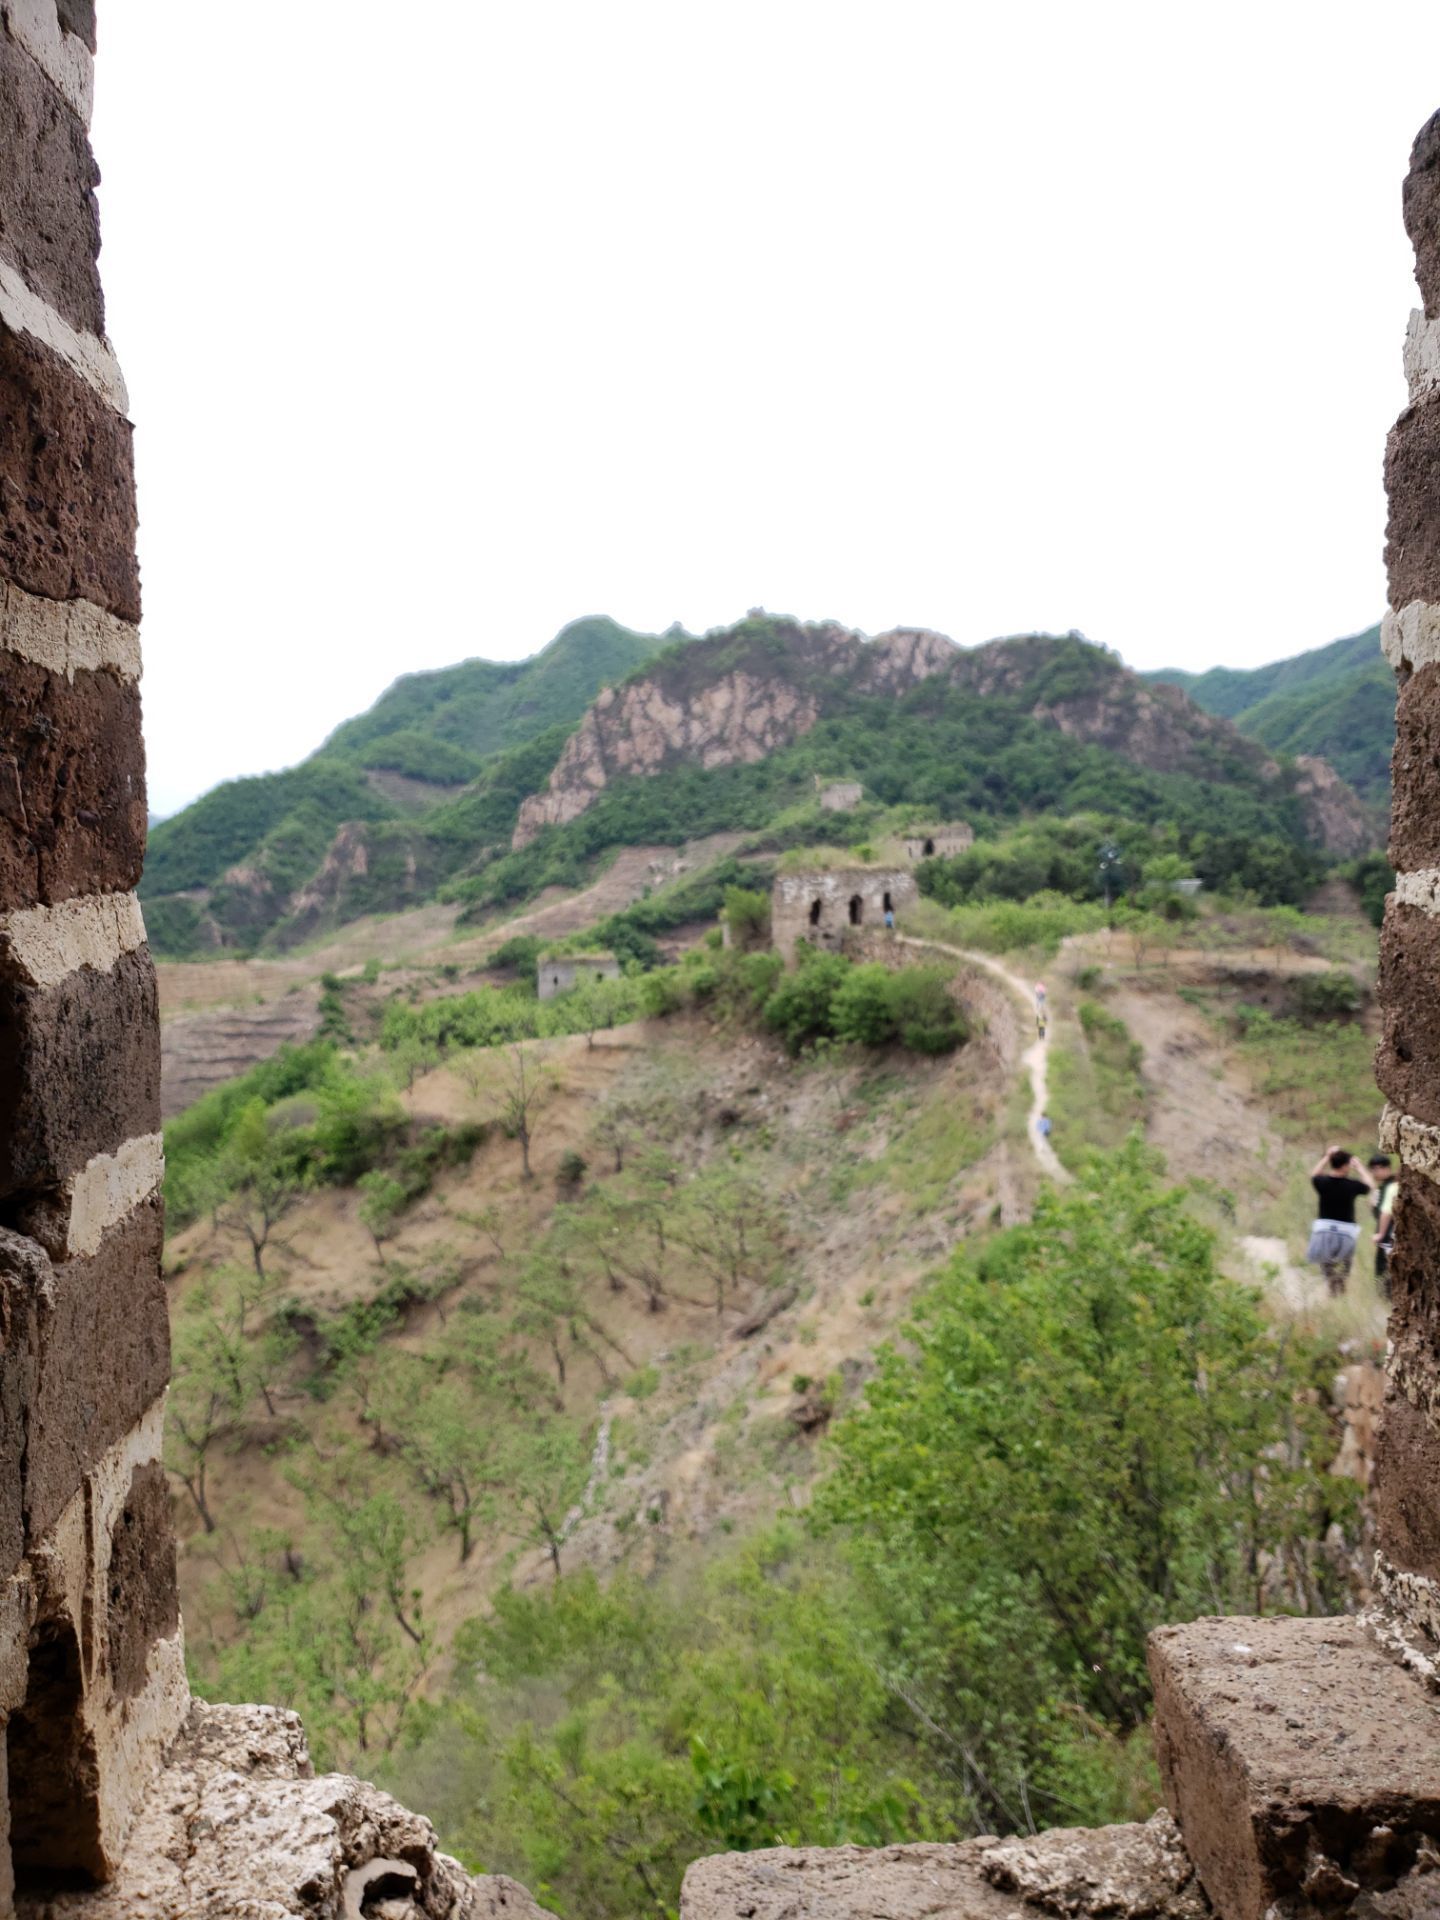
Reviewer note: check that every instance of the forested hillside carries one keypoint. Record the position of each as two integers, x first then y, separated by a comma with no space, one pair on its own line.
482,785
1337,702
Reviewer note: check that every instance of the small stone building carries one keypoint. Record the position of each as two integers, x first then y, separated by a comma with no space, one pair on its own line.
931,843
559,972
823,905
841,795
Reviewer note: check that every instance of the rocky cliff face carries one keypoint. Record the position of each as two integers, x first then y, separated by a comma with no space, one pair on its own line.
738,697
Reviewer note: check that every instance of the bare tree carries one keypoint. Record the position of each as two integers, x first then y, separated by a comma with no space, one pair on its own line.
528,1084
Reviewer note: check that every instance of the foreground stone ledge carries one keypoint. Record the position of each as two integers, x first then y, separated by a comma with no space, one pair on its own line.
1129,1872
238,1825
1303,1767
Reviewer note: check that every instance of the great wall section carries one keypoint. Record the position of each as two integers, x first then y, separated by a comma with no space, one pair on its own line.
1301,1757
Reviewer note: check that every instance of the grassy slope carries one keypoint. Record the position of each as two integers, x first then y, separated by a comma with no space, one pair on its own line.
1336,701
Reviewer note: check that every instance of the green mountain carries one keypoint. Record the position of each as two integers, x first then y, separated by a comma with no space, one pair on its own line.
736,731
222,869
1336,703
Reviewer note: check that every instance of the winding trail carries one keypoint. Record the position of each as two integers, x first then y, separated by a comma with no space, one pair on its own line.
1035,1059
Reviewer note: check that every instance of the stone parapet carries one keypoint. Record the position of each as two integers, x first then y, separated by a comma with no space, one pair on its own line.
1126,1873
1302,1765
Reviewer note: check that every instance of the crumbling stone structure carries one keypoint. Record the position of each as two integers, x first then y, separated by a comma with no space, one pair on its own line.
823,906
938,843
559,972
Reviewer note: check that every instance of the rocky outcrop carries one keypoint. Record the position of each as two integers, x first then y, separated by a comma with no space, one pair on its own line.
737,697
1335,815
237,1823
1126,1873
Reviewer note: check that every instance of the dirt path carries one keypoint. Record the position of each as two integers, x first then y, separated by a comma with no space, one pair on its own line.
1035,1059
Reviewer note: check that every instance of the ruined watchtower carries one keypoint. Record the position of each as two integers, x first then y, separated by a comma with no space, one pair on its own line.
938,842
821,905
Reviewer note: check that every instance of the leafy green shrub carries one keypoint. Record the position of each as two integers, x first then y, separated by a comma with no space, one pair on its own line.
1327,997
747,914
1088,978
800,1009
520,953
925,1014
571,1170
1037,1473
861,1009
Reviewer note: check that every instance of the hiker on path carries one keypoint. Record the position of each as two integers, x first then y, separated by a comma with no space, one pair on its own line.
1040,1008
1383,1207
1339,1181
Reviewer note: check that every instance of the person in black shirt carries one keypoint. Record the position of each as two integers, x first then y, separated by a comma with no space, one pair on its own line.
1339,1181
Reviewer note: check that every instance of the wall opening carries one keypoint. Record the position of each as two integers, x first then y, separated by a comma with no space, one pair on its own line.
54,1780
857,910
889,904
815,913
929,846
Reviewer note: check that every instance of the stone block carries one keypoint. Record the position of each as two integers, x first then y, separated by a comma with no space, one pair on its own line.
1302,1765
1407,1486
1415,771
141,1602
72,784
24,1273
1421,201
49,220
103,1358
1412,483
1407,1062
67,484
79,1070
1123,1871
78,17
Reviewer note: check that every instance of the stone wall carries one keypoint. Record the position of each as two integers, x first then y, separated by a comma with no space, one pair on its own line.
558,973
1407,1473
824,905
92,1679
937,843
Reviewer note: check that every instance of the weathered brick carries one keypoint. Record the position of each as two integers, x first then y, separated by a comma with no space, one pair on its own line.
72,785
1415,773
141,1599
67,483
1414,1272
1407,1487
1421,200
78,17
49,221
23,1272
1412,482
79,1070
103,1346
1407,1062
1295,1757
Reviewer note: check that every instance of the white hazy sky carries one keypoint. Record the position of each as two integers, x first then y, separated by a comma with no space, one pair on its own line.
446,324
